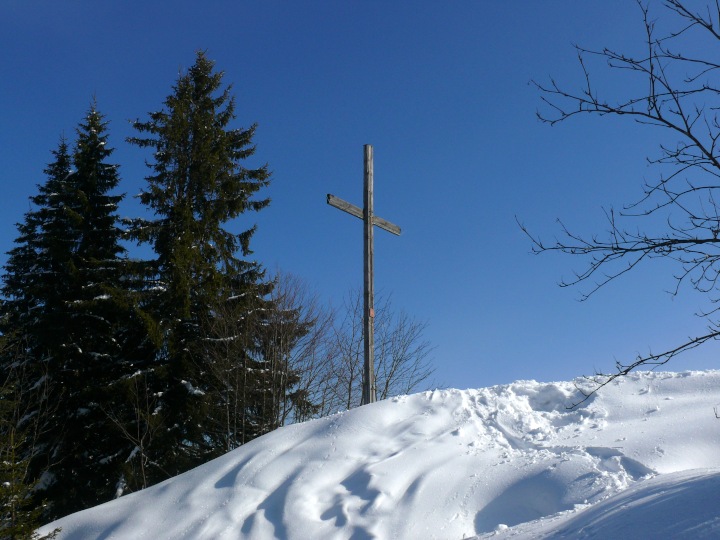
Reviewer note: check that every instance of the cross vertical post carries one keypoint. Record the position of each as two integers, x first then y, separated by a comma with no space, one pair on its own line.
369,394
369,389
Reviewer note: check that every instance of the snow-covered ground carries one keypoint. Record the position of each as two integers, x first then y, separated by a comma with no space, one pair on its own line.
640,459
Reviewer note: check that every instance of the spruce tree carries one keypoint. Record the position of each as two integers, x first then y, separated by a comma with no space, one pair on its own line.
198,185
33,311
68,310
96,310
35,272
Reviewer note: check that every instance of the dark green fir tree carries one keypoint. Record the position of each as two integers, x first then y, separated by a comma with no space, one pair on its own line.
20,515
67,309
33,316
209,298
34,281
91,358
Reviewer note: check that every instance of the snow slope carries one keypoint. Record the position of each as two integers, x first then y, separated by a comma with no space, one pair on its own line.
508,461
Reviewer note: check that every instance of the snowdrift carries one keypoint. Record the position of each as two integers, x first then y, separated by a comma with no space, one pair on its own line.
509,461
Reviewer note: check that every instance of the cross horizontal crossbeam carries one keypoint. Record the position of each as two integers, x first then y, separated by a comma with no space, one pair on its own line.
353,210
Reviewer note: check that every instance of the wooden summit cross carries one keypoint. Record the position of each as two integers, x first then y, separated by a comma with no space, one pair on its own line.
369,394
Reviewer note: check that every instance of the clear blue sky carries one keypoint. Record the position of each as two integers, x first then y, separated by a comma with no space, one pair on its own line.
441,90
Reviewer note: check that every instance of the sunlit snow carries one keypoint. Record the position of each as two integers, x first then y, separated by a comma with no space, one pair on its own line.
640,459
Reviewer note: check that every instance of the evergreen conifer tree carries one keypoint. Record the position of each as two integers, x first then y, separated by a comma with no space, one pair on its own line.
97,310
33,311
19,515
36,267
198,184
66,307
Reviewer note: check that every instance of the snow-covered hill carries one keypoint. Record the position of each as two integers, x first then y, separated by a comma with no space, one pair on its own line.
640,459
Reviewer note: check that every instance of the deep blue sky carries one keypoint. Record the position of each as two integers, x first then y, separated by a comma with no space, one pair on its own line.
441,90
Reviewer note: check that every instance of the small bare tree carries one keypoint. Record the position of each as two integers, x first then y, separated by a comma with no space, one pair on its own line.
402,355
299,326
312,361
671,84
231,332
325,358
140,429
266,364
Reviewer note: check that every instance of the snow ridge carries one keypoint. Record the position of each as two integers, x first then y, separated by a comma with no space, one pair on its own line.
507,461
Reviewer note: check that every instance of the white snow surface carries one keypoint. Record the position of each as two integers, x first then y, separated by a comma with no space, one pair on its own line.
639,459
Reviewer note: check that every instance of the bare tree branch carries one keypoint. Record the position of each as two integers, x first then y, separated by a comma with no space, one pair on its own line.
402,355
674,85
